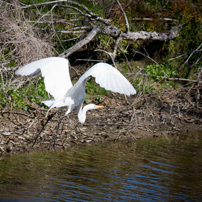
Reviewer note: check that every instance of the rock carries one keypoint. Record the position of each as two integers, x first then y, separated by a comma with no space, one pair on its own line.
7,133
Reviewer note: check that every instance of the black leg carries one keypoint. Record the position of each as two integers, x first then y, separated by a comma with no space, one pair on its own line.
54,139
48,119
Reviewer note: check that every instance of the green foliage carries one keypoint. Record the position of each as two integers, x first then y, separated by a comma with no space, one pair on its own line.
142,85
25,95
189,39
159,71
35,93
93,88
185,13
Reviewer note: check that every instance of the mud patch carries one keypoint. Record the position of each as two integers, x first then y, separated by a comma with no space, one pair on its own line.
122,119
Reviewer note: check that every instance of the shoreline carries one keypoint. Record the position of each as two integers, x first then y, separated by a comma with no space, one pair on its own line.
121,120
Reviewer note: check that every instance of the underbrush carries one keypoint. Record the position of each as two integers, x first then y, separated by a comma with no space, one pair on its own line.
25,96
22,42
34,91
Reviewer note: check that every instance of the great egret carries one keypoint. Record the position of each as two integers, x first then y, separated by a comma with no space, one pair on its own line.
55,71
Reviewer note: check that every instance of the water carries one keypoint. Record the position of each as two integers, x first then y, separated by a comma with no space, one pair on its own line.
168,168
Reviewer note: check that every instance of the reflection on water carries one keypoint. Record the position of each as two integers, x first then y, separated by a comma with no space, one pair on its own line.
152,169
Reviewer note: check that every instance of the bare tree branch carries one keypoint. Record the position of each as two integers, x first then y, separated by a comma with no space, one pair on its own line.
91,14
116,46
95,25
152,19
124,15
151,35
196,50
76,30
168,78
81,43
198,94
111,56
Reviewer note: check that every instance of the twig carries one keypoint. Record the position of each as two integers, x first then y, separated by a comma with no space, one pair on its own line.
81,43
54,27
147,55
152,19
169,79
9,112
116,46
124,15
190,56
198,95
110,54
90,14
171,108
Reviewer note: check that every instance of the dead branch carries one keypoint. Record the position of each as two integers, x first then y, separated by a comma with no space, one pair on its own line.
124,15
98,25
115,33
196,50
143,35
81,43
19,113
169,79
198,95
152,19
111,56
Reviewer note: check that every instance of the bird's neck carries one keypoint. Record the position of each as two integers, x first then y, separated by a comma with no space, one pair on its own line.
82,113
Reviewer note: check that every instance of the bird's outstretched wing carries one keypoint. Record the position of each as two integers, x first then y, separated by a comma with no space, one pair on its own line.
109,78
55,71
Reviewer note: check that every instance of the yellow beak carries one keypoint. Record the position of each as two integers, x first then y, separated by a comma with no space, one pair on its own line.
99,106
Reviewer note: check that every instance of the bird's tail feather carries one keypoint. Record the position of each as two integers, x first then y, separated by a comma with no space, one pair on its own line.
48,103
57,103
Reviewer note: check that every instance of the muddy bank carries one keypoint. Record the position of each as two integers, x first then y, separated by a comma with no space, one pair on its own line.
122,119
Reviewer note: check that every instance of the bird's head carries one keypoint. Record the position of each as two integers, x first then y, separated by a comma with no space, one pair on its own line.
82,113
93,106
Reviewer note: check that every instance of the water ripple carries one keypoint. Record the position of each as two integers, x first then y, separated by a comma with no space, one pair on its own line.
153,169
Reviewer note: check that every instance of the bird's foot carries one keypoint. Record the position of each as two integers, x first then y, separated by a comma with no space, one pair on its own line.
46,116
53,143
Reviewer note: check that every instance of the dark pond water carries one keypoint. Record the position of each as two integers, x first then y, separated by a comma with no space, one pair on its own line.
168,168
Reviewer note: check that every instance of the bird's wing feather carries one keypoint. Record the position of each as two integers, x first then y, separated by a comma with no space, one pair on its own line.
55,71
109,78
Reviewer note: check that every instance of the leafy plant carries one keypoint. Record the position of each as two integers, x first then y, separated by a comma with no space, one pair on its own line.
158,71
25,95
94,90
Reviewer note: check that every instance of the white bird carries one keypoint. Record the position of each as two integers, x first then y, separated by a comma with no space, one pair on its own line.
55,71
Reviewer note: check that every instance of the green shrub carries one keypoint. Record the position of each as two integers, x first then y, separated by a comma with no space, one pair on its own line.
25,95
158,71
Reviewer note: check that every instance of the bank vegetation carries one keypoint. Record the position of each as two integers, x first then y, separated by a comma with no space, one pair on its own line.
157,45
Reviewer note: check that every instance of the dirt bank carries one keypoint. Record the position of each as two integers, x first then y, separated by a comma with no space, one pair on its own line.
122,119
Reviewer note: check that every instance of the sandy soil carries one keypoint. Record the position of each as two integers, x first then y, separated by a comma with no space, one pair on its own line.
122,119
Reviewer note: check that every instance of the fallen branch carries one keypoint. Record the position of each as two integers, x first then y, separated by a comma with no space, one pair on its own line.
169,79
152,19
124,15
198,94
94,25
196,50
19,113
81,43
